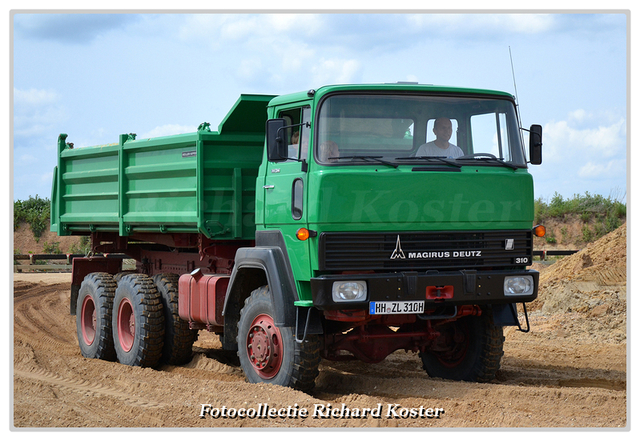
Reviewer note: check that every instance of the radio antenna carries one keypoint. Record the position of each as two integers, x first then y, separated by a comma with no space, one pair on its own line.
515,88
513,74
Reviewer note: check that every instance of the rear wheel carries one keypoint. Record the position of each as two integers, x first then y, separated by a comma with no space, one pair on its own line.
269,354
138,321
468,349
93,316
178,337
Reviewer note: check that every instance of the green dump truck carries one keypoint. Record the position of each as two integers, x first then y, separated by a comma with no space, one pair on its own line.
346,222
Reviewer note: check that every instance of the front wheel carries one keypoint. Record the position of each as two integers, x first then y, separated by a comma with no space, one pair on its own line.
270,354
468,349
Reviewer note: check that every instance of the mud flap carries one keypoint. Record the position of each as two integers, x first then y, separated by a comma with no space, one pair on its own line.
308,322
82,266
505,314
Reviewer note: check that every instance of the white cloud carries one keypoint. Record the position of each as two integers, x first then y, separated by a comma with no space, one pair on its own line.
34,97
335,71
562,140
36,111
46,177
481,24
596,170
299,24
248,69
578,115
224,29
26,159
167,130
527,23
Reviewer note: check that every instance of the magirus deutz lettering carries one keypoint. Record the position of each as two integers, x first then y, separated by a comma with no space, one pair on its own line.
444,254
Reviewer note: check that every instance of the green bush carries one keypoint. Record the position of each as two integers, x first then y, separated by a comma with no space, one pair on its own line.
82,248
35,212
583,205
550,237
53,248
606,214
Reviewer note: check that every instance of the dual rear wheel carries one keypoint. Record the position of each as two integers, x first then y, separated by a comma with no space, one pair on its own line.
133,319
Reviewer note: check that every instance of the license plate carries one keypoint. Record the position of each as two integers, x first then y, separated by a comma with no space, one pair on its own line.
407,307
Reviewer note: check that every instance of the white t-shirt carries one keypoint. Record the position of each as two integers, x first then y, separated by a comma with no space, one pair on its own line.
431,149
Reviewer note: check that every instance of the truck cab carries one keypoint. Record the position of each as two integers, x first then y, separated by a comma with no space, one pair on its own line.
389,242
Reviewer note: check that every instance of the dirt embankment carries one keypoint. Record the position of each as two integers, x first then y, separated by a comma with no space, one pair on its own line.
569,371
25,243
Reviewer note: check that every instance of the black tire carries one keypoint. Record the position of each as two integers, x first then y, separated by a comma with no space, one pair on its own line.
178,337
277,357
120,275
138,321
93,316
469,349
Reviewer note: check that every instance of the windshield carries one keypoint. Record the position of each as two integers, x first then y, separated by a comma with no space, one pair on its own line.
401,129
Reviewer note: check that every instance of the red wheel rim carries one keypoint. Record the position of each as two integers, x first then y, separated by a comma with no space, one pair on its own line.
88,320
126,325
264,346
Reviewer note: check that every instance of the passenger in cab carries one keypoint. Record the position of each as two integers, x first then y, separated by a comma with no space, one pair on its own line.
328,151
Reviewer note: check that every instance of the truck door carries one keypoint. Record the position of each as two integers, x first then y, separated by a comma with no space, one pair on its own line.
285,181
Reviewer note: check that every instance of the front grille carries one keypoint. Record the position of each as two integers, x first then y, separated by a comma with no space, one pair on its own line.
424,250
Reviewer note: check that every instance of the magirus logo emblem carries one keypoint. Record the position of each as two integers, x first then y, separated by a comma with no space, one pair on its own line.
508,244
397,253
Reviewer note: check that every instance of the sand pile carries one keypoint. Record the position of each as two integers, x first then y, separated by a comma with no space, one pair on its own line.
591,283
603,262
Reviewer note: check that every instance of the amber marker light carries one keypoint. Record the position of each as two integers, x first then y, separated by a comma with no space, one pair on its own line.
304,234
539,230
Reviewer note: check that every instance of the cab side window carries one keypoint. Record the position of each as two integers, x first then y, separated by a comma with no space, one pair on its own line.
296,137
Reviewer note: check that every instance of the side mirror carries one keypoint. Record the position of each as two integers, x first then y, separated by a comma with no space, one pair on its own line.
276,147
535,144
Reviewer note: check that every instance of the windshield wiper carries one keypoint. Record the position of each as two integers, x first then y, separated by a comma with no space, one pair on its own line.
488,157
442,159
365,158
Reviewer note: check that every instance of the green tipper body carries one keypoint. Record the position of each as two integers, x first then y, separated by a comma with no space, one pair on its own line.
202,182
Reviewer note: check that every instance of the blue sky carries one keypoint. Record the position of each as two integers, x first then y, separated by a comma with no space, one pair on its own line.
95,76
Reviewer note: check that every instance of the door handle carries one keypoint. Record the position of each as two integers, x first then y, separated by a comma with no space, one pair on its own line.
268,186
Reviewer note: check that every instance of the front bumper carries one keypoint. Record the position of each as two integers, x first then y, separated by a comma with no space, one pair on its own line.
436,288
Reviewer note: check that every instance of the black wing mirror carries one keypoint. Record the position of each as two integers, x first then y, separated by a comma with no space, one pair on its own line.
535,144
276,147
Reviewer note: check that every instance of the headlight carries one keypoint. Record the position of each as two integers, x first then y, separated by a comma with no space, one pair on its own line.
518,286
351,291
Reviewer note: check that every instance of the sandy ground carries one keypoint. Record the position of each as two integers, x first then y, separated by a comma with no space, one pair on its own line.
569,371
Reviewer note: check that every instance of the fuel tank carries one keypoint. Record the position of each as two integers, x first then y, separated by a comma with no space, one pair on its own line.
201,298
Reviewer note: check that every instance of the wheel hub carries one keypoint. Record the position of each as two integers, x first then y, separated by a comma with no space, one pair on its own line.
88,320
126,325
264,346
